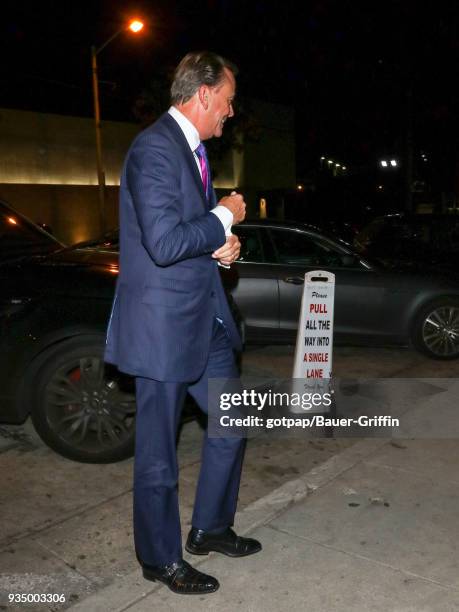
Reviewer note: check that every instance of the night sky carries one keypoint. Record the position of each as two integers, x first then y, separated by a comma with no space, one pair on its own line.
357,73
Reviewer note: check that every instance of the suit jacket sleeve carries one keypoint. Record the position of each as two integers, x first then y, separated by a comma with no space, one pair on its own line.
153,180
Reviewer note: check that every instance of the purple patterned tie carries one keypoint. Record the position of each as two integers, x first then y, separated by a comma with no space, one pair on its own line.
202,156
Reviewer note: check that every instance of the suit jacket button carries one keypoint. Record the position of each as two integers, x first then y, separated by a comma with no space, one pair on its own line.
212,294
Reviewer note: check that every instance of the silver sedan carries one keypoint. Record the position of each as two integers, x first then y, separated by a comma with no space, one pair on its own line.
372,304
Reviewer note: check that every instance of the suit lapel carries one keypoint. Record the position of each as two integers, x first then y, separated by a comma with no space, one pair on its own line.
181,141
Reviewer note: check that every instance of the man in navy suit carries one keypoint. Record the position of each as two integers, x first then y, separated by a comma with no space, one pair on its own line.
171,326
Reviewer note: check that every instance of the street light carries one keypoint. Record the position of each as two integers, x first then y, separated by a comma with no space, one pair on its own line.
385,164
135,25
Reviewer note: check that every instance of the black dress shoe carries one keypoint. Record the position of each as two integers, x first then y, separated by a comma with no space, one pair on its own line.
181,578
202,543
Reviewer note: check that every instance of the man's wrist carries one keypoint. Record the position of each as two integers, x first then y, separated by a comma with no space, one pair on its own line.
225,216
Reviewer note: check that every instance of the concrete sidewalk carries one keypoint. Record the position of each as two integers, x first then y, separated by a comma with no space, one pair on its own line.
373,528
67,527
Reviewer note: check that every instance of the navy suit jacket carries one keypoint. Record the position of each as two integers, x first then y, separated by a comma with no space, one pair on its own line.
169,288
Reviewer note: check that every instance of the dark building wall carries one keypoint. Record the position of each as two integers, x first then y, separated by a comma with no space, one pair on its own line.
72,211
48,170
39,148
48,166
269,161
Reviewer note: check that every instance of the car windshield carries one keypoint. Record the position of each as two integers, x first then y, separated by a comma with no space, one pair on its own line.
19,237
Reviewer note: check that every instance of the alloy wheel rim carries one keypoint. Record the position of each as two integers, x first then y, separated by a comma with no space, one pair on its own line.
440,331
87,409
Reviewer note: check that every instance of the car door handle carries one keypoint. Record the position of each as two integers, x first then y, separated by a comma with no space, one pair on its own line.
294,280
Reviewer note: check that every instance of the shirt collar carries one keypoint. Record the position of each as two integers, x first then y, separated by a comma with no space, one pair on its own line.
189,131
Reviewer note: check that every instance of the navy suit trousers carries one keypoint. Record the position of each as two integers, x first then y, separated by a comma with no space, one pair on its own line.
157,531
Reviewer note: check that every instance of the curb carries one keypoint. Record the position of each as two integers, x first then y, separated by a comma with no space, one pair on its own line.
132,588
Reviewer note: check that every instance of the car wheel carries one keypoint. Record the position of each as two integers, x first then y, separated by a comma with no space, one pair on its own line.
83,408
436,331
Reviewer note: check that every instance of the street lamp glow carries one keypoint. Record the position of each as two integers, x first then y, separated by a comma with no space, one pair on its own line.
344,167
393,163
135,26
384,163
299,187
338,165
322,158
330,161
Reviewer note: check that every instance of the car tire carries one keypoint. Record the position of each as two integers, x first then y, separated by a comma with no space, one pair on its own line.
436,329
83,408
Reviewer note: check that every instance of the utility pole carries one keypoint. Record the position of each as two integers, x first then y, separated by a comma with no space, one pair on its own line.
134,26
100,171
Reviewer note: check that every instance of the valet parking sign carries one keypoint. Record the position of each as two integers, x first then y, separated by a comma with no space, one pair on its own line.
314,343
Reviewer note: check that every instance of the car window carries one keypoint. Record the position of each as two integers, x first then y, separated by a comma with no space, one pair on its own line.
299,248
251,245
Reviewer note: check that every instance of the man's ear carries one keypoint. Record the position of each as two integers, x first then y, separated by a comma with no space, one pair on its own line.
203,95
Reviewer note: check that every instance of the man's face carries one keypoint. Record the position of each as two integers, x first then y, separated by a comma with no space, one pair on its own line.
220,104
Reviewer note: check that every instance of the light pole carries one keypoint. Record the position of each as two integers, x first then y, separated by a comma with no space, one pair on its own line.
134,26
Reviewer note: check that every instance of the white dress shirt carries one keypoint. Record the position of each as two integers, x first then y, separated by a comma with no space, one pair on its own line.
192,137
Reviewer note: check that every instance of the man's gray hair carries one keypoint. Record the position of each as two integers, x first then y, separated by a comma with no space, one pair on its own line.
196,69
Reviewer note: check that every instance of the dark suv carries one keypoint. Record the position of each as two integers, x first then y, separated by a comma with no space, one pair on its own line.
55,304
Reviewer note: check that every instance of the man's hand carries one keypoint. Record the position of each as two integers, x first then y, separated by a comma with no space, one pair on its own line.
229,252
235,203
